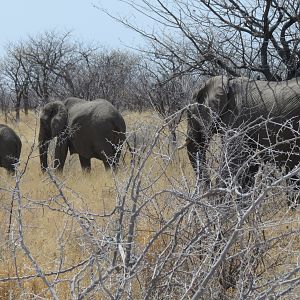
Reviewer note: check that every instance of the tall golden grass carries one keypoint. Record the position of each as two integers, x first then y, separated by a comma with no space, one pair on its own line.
48,232
94,192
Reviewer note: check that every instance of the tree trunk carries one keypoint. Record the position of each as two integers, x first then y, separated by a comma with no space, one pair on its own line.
17,107
25,101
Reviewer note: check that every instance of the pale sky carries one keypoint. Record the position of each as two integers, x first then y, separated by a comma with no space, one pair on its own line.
20,18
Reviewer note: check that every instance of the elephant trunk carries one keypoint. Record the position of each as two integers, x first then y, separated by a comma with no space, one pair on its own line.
44,140
198,137
185,144
53,122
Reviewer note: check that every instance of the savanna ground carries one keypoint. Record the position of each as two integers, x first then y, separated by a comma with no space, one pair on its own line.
59,222
44,229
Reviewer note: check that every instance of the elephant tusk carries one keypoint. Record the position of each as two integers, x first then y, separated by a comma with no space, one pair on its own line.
187,141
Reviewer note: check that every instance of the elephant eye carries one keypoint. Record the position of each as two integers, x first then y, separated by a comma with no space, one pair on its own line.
48,114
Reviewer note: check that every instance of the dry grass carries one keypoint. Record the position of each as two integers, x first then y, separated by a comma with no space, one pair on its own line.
94,192
46,229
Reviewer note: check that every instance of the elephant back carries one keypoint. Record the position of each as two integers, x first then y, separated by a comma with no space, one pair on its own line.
96,112
72,101
10,142
95,125
267,99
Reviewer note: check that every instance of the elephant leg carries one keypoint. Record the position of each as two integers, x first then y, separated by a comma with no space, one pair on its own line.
194,156
197,158
61,152
245,181
111,157
236,168
85,163
43,149
105,159
293,198
197,155
230,160
248,177
198,138
116,159
8,162
10,168
106,164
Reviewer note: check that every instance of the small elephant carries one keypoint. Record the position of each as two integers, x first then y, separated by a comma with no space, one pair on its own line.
10,148
268,113
92,129
139,139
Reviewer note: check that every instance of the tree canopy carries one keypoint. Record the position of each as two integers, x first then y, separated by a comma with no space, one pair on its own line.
251,38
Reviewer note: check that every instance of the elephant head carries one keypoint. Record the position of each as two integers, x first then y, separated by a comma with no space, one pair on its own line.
210,109
213,100
53,122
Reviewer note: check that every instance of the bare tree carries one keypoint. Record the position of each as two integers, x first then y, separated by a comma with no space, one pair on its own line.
51,65
16,77
103,74
239,38
37,66
49,56
4,97
165,90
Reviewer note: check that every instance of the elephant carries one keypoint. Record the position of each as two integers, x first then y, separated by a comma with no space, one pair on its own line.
10,148
139,138
267,114
92,129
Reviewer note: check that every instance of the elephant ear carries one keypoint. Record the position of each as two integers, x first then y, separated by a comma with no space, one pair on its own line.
53,121
59,117
213,94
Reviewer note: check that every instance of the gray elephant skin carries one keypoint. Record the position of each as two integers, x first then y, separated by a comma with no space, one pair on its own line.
10,148
92,129
268,112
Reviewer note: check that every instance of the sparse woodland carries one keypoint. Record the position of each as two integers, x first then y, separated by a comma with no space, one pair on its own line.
153,229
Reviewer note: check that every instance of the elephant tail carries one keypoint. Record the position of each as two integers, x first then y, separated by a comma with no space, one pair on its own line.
131,150
19,148
185,144
120,130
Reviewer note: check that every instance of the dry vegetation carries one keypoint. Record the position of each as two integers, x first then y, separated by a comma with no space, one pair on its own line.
63,236
153,230
47,231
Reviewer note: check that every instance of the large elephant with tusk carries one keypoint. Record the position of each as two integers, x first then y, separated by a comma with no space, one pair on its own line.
267,115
